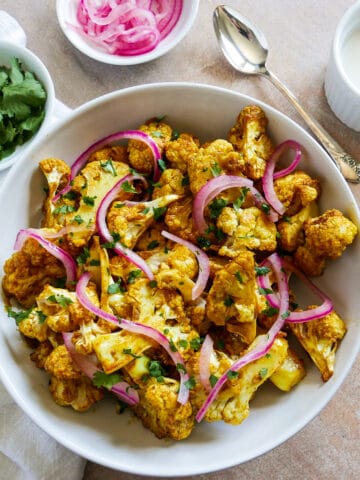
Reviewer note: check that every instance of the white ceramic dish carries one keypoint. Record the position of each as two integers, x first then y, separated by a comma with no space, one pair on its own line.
120,442
33,64
342,79
66,13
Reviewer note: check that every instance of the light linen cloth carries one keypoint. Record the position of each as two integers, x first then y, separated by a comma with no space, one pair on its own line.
28,453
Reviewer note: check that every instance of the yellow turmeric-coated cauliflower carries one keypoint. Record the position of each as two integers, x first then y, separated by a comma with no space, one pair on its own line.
114,153
160,411
291,229
231,301
170,182
60,364
41,352
326,237
78,393
178,219
289,373
211,160
250,139
140,156
28,271
232,403
320,338
178,152
246,228
130,222
296,191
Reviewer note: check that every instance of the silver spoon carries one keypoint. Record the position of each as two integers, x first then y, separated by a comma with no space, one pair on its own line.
245,48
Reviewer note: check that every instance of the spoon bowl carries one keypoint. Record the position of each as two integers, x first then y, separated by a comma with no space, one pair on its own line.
246,52
245,48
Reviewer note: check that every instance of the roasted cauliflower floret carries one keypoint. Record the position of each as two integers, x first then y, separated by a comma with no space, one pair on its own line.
114,153
296,191
231,300
320,338
28,271
170,182
140,156
289,373
78,393
210,161
130,222
57,174
291,229
60,364
246,228
33,326
160,411
62,310
178,152
326,237
41,352
178,219
249,137
232,403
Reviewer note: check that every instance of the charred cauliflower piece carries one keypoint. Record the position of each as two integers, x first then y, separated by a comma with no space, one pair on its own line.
33,326
320,338
28,271
60,364
231,301
178,219
249,137
140,156
296,191
178,152
160,411
246,228
78,393
326,237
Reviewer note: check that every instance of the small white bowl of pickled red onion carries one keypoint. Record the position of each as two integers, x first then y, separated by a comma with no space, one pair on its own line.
122,32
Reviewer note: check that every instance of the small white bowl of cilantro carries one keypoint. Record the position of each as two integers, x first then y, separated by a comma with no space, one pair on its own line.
26,101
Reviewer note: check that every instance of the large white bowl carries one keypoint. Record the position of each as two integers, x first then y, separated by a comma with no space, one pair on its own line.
120,442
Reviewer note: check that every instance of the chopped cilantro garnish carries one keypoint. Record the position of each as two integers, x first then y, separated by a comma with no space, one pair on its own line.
259,271
181,367
162,164
203,242
78,219
108,166
119,205
213,379
216,170
89,200
84,255
101,379
94,262
41,316
285,314
128,351
216,206
231,374
133,275
228,301
153,283
116,288
60,299
64,209
158,212
239,277
185,181
128,188
263,372
241,199
156,134
270,311
153,244
265,208
156,370
18,316
265,291
191,383
182,343
195,343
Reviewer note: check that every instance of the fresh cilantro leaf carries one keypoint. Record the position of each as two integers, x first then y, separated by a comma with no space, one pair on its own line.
259,271
89,200
263,372
133,275
231,374
216,170
101,379
213,379
158,212
60,299
18,316
128,188
108,166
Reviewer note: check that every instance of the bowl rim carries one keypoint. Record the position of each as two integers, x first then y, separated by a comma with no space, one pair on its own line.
27,56
119,60
298,423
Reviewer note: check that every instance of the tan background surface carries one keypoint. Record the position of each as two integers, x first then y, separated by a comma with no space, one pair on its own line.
299,34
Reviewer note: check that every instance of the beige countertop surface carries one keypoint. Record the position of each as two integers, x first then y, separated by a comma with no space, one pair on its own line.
299,33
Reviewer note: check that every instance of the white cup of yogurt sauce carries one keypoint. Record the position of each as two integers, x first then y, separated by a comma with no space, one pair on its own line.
342,79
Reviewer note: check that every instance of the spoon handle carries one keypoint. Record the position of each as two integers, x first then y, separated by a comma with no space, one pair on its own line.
349,168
